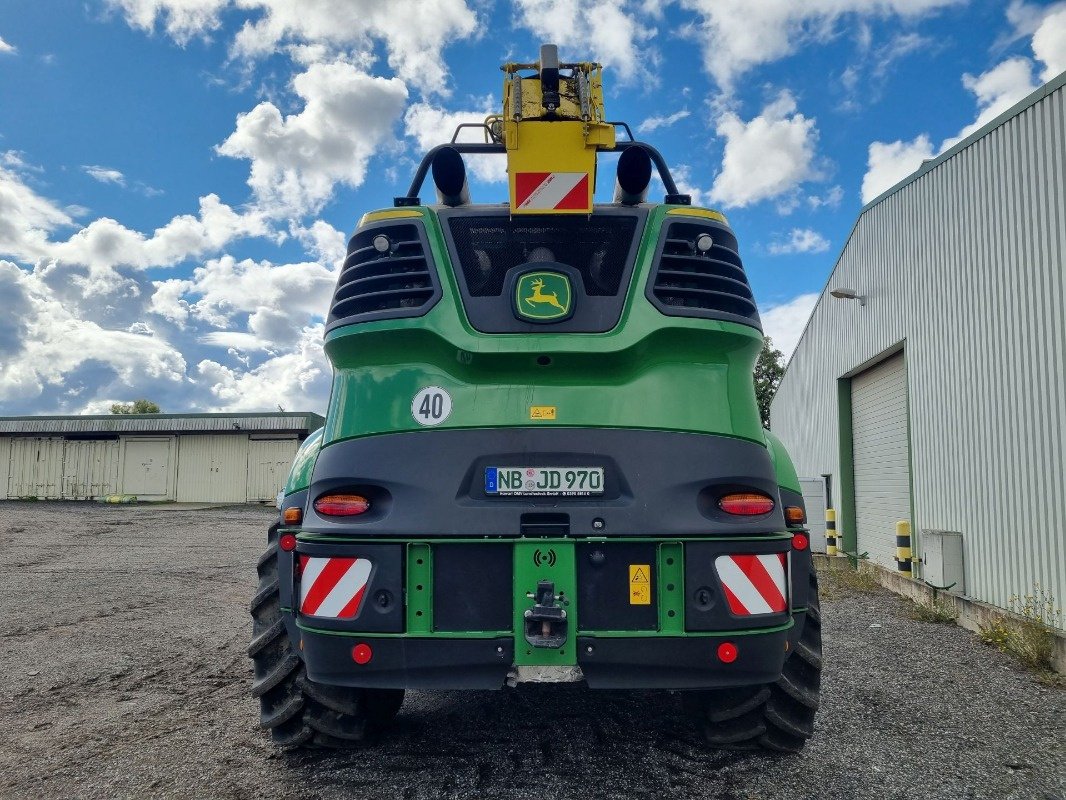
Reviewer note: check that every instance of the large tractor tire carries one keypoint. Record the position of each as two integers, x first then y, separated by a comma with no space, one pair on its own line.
297,712
778,716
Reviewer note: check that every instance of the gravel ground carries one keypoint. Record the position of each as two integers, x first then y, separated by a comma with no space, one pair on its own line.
123,674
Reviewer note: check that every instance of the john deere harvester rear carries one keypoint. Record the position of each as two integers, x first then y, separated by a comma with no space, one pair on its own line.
542,459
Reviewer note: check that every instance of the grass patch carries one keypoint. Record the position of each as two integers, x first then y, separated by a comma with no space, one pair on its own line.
839,577
1030,636
937,611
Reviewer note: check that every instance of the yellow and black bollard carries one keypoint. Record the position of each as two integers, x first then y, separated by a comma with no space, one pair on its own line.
830,532
903,546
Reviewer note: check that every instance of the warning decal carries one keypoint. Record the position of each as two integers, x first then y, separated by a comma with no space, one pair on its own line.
333,587
640,584
551,191
754,584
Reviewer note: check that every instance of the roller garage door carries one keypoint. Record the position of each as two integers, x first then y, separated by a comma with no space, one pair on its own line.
882,456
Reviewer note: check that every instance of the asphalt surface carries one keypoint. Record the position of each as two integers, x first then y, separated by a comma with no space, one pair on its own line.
123,674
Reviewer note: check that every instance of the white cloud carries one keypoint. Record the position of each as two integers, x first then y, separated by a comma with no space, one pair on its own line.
297,160
766,156
104,174
414,33
784,323
737,35
327,243
682,175
1049,43
800,240
430,126
168,300
996,91
53,342
26,218
831,199
299,379
7,48
654,123
105,243
607,31
183,20
279,300
890,162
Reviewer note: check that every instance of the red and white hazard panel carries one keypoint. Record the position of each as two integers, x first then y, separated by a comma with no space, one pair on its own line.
754,584
551,191
332,587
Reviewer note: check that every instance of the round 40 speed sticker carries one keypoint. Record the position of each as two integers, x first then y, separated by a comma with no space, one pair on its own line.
431,406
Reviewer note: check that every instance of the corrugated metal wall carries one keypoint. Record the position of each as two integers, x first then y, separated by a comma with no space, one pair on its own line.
230,468
966,266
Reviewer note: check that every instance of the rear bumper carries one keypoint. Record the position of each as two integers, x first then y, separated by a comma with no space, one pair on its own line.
685,662
443,614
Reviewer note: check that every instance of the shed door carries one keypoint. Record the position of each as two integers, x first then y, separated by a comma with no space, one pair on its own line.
882,457
36,468
146,468
213,468
268,467
90,468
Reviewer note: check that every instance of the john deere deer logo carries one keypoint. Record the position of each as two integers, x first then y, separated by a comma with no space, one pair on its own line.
543,296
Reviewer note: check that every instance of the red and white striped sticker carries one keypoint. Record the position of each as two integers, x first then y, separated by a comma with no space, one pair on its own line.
332,587
754,584
551,191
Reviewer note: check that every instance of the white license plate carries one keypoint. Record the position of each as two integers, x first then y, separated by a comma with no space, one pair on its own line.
561,481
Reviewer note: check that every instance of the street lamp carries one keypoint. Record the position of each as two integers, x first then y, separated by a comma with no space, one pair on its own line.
841,293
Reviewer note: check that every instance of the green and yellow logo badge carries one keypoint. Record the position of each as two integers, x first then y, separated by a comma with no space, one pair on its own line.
543,297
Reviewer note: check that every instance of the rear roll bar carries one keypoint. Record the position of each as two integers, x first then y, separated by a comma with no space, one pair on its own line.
412,197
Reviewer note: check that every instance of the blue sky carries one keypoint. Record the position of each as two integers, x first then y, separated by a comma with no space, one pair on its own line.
178,177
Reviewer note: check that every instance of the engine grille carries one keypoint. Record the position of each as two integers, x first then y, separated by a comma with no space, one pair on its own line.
711,284
488,247
399,282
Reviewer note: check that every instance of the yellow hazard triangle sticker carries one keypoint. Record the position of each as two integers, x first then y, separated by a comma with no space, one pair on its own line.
640,584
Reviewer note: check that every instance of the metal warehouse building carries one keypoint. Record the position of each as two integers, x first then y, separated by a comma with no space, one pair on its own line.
932,387
220,458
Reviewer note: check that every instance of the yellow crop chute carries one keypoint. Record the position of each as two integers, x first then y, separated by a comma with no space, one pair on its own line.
552,125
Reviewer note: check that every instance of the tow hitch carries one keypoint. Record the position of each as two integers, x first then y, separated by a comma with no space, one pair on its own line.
546,621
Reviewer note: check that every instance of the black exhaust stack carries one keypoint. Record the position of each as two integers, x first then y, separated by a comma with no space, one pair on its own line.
634,175
449,176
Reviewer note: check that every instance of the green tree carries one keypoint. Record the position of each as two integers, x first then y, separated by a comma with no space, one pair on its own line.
768,371
136,407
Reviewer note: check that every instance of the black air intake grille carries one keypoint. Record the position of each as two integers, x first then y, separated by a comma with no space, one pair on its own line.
598,248
395,281
689,282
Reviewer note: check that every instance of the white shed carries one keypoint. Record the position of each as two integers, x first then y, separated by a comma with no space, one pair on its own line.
222,458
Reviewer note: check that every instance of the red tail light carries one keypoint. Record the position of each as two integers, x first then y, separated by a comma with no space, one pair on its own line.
342,505
361,654
727,652
746,504
799,542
